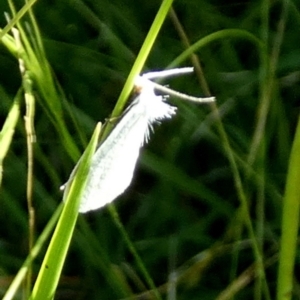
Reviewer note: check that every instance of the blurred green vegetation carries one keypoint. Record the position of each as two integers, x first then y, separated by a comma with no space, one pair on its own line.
184,211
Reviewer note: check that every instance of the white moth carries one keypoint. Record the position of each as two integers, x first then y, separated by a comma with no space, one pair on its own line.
114,161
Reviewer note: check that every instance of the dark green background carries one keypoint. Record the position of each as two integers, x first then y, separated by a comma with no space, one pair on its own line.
182,204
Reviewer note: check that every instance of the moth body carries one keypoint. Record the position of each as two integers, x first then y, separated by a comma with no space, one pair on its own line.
114,162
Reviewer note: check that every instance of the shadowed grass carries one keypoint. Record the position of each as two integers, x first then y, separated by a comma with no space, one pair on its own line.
209,187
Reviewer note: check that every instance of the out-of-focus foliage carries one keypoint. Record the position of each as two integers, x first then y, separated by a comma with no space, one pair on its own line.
183,211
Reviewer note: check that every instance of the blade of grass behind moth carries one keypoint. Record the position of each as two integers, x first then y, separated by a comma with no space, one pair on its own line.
136,70
54,259
141,59
8,130
222,34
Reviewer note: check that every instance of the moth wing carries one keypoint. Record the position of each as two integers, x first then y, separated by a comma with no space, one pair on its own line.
114,162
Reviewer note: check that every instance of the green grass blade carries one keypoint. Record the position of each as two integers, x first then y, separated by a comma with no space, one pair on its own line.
290,223
141,58
8,130
51,268
136,69
17,17
17,281
219,35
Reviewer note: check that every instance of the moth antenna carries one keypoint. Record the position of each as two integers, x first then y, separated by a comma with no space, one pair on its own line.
144,80
168,73
182,95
